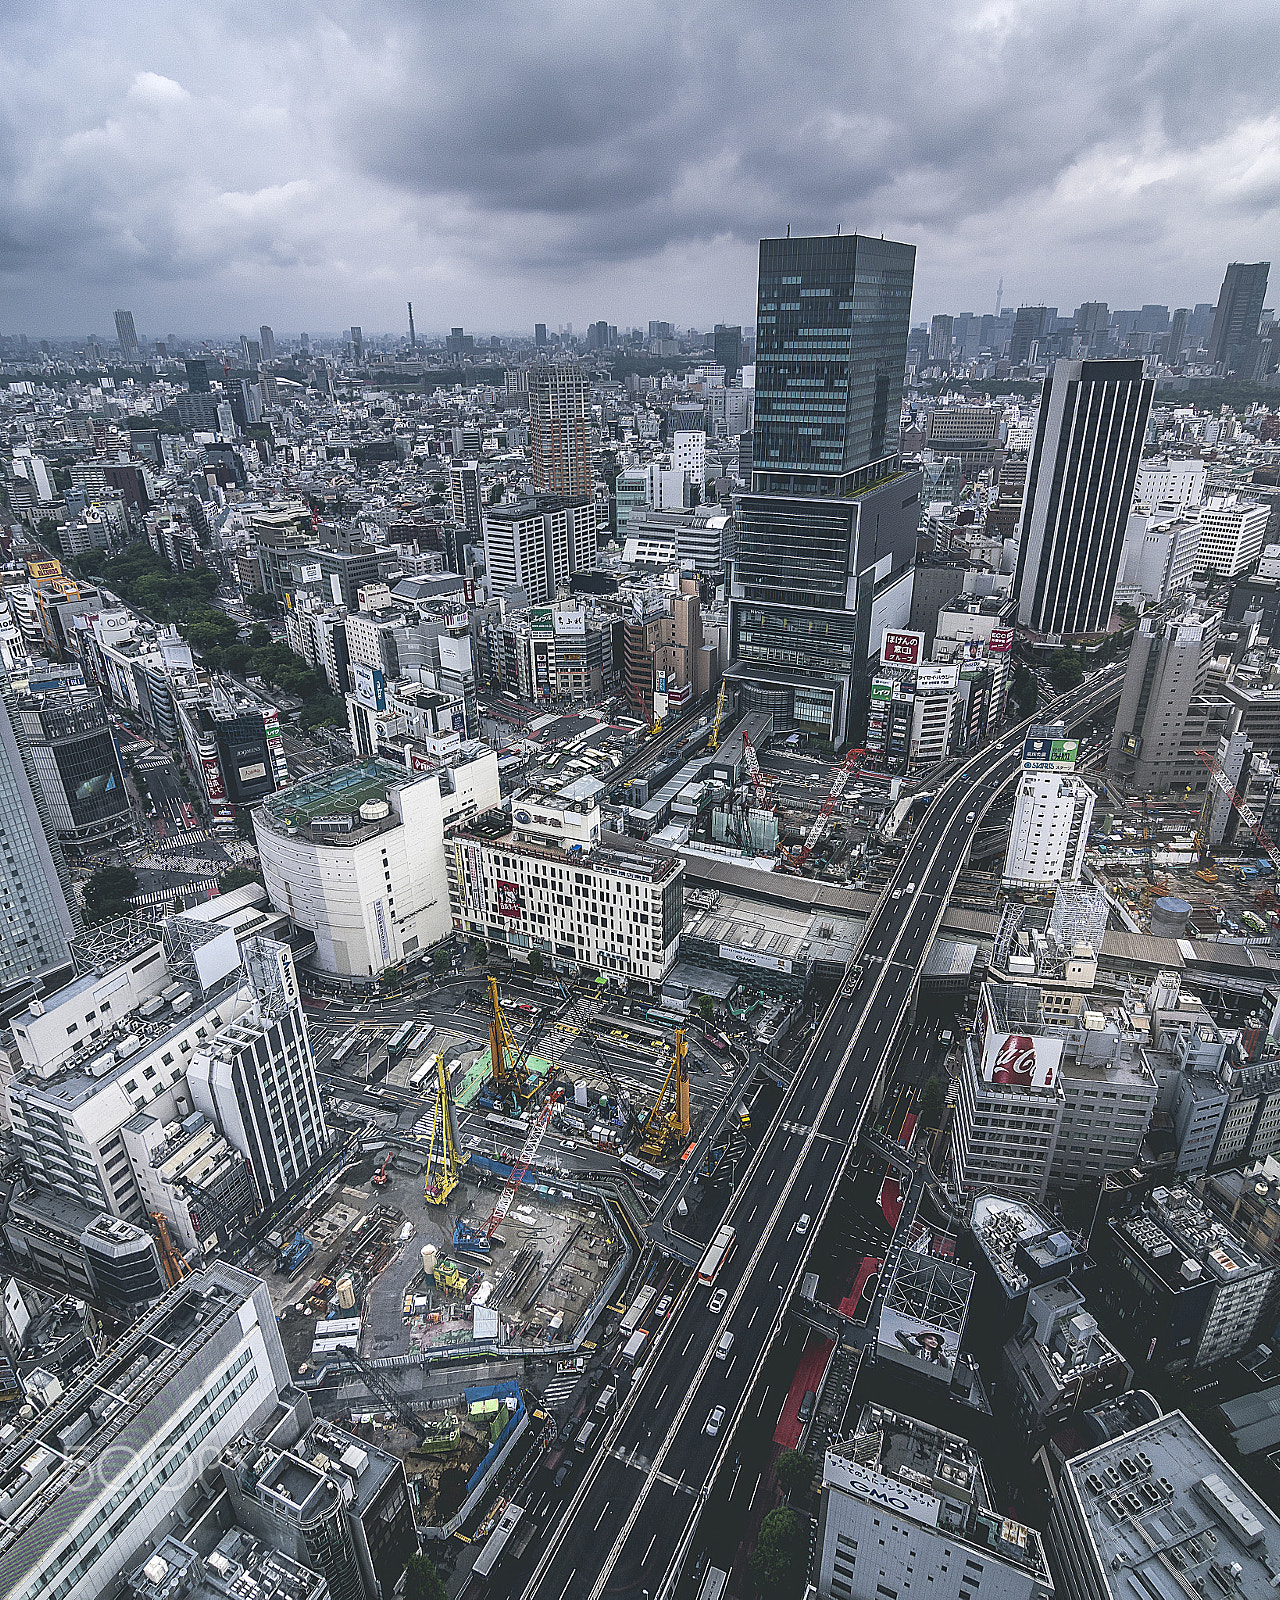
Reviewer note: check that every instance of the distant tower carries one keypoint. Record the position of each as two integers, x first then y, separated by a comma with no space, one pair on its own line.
999,295
1238,314
413,337
267,341
127,336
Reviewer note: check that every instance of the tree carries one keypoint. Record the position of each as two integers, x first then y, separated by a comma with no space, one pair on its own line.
495,494
421,1580
706,1008
259,636
536,963
932,1100
236,877
441,958
778,1560
46,527
260,602
480,950
794,1471
107,892
1024,691
1066,670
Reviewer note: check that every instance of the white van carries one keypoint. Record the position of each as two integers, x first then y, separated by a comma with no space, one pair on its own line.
725,1345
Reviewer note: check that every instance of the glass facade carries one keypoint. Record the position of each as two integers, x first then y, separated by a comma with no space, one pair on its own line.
794,549
831,342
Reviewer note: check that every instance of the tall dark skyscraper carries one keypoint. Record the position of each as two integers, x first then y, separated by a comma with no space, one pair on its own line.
1235,322
1177,336
1029,327
1092,325
831,348
540,334
1080,478
826,535
559,434
267,342
197,374
127,336
727,346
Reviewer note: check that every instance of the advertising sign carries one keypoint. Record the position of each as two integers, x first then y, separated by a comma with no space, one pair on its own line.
754,958
510,899
44,569
469,590
369,686
1049,755
380,917
212,775
891,1493
309,572
542,619
571,624
919,1344
474,872
1001,641
937,679
901,647
1021,1060
256,769
459,722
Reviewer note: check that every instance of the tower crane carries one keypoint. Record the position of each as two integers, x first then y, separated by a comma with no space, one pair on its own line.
1226,787
584,1032
662,1132
713,743
523,1162
758,780
822,821
175,1264
445,1156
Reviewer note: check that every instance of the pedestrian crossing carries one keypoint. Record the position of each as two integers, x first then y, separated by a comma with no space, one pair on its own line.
191,836
165,897
560,1388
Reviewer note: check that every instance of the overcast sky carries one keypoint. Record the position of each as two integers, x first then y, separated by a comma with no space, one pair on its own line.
309,165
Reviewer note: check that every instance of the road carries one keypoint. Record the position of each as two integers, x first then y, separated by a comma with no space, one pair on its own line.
634,1514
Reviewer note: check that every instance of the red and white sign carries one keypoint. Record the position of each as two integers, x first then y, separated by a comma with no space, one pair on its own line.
1021,1060
901,647
1001,641
212,775
510,899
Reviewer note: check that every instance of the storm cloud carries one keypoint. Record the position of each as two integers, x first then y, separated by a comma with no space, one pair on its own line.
312,165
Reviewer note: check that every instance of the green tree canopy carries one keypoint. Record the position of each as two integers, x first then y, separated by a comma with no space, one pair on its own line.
932,1099
236,877
421,1580
794,1471
778,1562
107,892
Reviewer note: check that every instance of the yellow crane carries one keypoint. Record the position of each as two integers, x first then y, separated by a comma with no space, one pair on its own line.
175,1264
506,1059
445,1157
663,1132
713,743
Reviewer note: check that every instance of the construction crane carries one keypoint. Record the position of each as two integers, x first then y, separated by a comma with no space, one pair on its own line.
584,1032
758,781
664,1132
523,1162
506,1059
823,820
713,743
380,1176
380,1386
445,1156
175,1264
1226,787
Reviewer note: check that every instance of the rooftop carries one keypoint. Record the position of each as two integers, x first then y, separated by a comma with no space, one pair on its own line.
1166,1510
1002,1227
238,1568
1183,1241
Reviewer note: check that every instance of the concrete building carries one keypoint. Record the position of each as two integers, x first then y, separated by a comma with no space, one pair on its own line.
1058,1362
1169,487
1050,830
69,749
195,1177
188,1377
537,545
545,883
40,912
1166,673
1218,1536
238,1564
689,455
1232,533
356,856
906,1510
1160,555
1080,480
1250,1200
1021,1249
1182,1285
559,433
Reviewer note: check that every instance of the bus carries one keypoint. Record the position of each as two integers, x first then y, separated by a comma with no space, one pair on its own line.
399,1042
419,1040
345,1048
420,1074
714,1584
717,1254
495,1545
499,1123
634,1314
642,1169
715,1042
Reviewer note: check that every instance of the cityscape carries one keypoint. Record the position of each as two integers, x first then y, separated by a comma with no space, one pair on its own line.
641,958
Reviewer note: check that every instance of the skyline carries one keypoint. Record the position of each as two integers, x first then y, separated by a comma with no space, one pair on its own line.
224,168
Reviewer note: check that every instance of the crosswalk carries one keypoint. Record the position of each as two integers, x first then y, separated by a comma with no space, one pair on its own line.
561,1387
191,836
165,897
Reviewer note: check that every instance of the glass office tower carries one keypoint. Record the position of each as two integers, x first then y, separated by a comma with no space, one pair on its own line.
825,538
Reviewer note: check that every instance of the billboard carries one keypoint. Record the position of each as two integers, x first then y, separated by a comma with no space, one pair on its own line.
1049,755
1001,641
937,679
919,1344
901,647
570,624
44,569
510,899
542,619
881,689
369,686
1020,1060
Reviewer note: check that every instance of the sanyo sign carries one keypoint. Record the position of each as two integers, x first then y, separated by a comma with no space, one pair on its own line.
889,1493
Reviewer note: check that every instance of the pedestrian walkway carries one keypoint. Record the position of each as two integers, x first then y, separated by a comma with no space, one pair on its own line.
165,897
561,1388
173,841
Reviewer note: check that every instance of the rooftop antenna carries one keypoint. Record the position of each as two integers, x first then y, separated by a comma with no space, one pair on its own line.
788,230
837,230
999,295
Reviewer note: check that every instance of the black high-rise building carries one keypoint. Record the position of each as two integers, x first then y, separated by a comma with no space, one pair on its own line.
1093,419
1029,327
1177,336
828,529
1239,313
197,376
727,348
540,334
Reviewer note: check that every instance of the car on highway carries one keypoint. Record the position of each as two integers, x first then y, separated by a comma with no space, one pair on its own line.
911,888
713,1422
971,816
663,1306
717,1301
896,895
802,1227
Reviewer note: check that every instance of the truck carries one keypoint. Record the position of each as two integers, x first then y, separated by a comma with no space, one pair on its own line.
634,1348
292,1255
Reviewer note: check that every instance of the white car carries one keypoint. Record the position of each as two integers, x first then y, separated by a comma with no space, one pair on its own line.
663,1306
717,1300
971,817
713,1422
911,888
802,1227
896,895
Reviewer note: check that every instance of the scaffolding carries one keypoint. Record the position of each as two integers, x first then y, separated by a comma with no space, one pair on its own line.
445,1156
110,944
1079,916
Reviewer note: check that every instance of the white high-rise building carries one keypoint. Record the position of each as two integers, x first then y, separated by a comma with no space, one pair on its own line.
1231,534
689,453
536,545
1166,487
906,1511
1050,829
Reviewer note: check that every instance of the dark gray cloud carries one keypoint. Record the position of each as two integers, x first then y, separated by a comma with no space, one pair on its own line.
317,164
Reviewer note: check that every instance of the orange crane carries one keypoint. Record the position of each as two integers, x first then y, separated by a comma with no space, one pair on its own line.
175,1264
1225,785
380,1176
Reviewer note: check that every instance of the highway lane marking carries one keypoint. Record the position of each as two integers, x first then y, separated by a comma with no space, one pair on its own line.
600,1518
